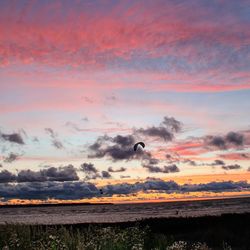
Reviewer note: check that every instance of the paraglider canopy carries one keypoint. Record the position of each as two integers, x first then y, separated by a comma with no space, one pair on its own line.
142,144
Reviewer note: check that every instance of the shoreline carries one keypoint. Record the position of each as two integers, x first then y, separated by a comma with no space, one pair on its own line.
121,204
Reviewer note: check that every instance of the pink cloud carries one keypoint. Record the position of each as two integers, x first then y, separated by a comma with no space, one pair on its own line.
189,148
92,40
106,80
96,38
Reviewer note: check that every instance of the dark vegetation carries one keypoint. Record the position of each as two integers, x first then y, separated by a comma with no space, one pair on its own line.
229,231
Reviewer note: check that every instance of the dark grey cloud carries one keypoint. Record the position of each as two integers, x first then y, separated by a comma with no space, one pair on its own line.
158,132
48,190
149,160
116,148
120,147
61,174
79,190
215,186
235,138
96,150
6,176
218,162
124,141
125,188
165,169
11,157
13,138
65,173
230,140
106,175
164,131
30,176
217,141
172,124
54,138
152,161
88,168
153,169
171,169
214,163
111,170
117,153
171,187
194,163
150,164
90,171
231,167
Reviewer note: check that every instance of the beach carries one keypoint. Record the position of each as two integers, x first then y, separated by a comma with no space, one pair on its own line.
112,213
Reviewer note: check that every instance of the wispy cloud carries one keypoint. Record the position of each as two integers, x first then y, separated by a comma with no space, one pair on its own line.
54,138
157,37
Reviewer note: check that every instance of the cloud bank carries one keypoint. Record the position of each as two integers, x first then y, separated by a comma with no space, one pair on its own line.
79,190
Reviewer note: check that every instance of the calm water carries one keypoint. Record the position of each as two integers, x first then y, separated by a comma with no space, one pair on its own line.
118,213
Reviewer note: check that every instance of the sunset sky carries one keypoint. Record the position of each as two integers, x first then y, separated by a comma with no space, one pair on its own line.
82,81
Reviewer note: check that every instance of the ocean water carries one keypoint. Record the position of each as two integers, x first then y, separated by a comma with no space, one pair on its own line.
71,214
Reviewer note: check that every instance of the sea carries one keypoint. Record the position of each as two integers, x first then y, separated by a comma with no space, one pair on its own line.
111,213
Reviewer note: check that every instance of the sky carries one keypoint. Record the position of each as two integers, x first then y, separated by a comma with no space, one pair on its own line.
82,81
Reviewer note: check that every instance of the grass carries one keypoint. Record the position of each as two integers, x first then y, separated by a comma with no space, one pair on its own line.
222,232
92,237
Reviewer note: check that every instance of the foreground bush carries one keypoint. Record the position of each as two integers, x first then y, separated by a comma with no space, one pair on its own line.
89,238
